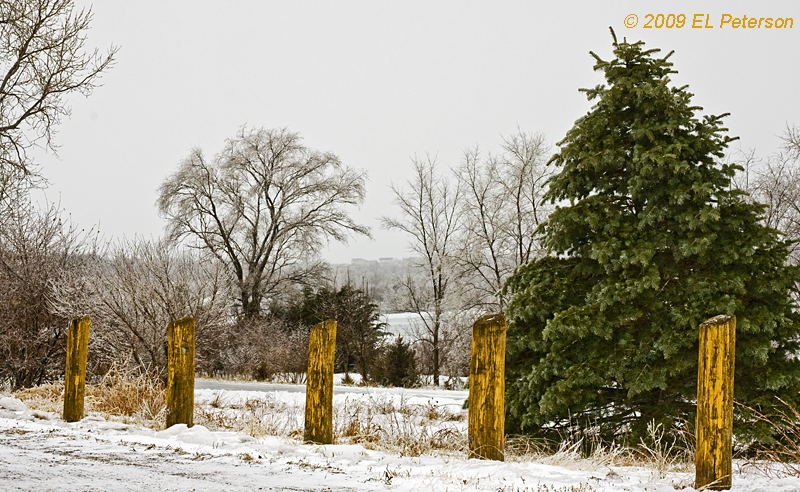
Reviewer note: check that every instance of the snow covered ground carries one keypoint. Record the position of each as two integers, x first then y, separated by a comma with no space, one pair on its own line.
39,451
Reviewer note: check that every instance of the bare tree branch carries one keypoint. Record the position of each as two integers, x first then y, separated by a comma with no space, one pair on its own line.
430,215
140,286
775,182
43,59
37,250
264,206
501,210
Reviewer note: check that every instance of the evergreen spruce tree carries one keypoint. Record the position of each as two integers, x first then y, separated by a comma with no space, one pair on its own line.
358,331
398,366
650,240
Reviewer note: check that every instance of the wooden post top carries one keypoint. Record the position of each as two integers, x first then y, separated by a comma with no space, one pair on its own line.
495,322
719,320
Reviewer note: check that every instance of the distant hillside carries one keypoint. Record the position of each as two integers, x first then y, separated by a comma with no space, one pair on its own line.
378,277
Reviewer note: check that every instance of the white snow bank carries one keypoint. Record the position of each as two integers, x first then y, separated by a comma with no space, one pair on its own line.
95,454
12,404
11,408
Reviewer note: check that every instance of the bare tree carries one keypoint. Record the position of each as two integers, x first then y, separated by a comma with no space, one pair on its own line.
526,174
36,250
485,250
775,182
141,287
265,349
429,214
501,209
791,141
42,60
264,207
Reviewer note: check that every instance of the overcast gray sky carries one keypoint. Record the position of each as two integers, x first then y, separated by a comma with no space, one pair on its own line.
376,82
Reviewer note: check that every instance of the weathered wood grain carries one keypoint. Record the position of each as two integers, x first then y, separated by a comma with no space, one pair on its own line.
713,465
75,374
487,388
319,386
180,372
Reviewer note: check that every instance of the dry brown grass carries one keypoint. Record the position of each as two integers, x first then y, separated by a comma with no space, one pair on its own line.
569,453
377,423
121,395
263,416
141,397
380,423
783,457
662,451
408,429
47,397
665,453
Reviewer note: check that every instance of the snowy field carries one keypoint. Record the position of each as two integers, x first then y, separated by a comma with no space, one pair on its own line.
39,451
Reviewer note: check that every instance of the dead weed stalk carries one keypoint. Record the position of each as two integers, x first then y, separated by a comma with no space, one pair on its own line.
133,397
783,457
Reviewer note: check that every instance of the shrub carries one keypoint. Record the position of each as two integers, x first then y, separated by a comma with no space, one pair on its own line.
397,365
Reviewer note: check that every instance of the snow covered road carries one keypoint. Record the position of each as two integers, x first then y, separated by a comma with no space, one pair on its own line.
40,452
219,384
57,461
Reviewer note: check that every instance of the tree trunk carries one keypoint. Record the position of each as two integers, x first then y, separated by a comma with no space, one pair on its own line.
436,354
363,368
345,360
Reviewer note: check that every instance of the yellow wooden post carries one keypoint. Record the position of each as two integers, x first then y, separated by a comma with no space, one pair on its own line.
180,372
487,388
75,375
713,465
319,386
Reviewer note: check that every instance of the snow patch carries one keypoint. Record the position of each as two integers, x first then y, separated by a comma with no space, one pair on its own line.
111,456
12,404
193,435
41,415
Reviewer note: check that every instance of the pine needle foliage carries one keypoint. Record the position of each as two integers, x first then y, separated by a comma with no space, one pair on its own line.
398,366
649,240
